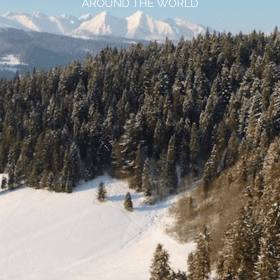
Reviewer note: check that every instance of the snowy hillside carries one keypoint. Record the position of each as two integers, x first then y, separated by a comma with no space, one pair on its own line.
137,25
22,50
47,235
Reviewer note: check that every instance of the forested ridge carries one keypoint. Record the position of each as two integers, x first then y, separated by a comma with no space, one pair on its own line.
156,115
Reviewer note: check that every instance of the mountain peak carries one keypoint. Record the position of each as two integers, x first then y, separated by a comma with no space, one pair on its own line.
38,15
138,13
86,16
63,15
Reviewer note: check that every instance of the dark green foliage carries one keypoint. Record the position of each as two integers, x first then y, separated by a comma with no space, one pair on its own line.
101,192
128,205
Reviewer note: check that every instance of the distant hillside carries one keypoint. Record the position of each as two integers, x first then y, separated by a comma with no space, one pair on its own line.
45,50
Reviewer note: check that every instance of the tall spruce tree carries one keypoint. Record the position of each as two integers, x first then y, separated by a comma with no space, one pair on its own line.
101,192
137,178
171,173
200,264
160,268
146,185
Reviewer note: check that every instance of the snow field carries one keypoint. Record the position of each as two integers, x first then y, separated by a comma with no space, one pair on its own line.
45,235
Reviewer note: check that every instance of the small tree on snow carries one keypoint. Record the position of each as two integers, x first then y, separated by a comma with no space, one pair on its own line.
101,194
160,268
128,202
4,183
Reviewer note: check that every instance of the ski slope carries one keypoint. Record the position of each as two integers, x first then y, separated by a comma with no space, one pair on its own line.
47,236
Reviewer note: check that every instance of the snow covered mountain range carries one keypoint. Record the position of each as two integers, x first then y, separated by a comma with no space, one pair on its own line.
136,26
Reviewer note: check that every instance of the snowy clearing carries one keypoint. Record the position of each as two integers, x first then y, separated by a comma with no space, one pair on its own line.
46,235
11,60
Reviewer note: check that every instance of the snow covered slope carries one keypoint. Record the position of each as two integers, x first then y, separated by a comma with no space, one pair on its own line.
137,25
48,236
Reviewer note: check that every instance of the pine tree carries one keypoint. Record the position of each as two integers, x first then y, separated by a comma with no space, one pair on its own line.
101,193
137,178
4,183
146,185
267,265
179,275
194,147
199,266
210,169
244,169
128,205
232,149
245,244
191,267
184,151
162,187
171,174
11,181
226,261
160,268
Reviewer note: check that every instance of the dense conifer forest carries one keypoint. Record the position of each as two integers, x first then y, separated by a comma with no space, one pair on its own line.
161,115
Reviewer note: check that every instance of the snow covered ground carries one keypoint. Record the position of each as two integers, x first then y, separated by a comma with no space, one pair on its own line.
46,235
11,59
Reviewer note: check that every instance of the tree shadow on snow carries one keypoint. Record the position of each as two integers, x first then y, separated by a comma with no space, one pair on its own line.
7,191
116,198
121,197
149,208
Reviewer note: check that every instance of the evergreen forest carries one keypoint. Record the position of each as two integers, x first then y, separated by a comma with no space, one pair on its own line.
162,116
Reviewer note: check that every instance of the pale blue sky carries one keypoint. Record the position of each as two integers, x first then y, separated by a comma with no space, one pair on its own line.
233,16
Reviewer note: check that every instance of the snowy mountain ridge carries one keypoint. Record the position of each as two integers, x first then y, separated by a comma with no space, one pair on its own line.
135,26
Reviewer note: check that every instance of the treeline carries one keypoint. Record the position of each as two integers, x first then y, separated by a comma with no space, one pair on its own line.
153,114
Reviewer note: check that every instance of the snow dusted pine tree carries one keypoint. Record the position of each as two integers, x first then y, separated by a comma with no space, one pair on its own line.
101,193
146,185
171,177
210,169
191,268
160,268
194,147
267,265
199,266
137,178
128,205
